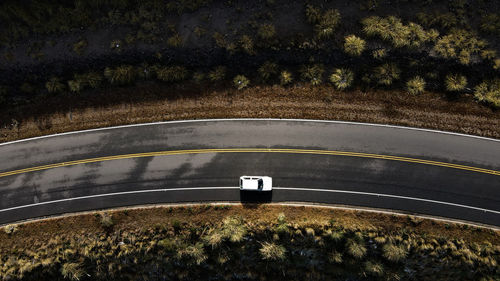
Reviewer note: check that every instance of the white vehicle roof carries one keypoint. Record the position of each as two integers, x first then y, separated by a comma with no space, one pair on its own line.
259,183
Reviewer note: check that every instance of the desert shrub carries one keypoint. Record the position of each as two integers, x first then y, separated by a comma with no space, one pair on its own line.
356,249
246,44
54,85
335,257
233,229
455,82
240,82
199,77
393,30
171,73
489,92
217,74
459,44
267,70
342,78
116,44
324,22
195,254
379,53
312,73
75,86
121,75
374,268
272,252
175,40
80,46
354,45
266,31
106,220
416,85
285,77
72,271
92,79
394,253
213,239
386,73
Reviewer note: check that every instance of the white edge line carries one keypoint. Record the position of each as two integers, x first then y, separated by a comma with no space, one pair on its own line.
276,188
251,119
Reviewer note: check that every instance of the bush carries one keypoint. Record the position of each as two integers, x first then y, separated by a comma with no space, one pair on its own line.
272,252
356,249
266,31
416,85
175,40
386,73
93,79
335,257
10,228
489,92
72,271
455,82
312,73
285,77
171,73
233,229
75,86
199,77
116,44
324,23
394,253
54,85
121,75
459,44
374,268
194,253
379,53
80,46
240,82
106,220
354,45
342,78
217,74
267,70
246,44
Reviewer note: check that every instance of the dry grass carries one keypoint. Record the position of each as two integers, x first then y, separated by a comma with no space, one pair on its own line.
153,102
39,232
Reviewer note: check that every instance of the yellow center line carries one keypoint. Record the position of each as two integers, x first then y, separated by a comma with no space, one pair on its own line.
253,150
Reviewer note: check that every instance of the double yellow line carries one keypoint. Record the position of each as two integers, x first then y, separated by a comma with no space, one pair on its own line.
253,150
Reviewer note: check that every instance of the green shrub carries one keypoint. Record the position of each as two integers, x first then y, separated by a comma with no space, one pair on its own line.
240,82
80,46
356,249
324,22
121,75
455,82
217,74
233,229
106,220
312,73
416,85
374,268
285,77
171,73
386,73
195,254
93,79
199,77
394,253
335,257
342,78
459,44
490,23
75,86
313,14
354,45
267,70
489,92
272,252
54,85
379,53
266,31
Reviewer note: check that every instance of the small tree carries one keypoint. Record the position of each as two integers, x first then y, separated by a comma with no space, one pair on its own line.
240,82
416,85
246,44
175,40
386,73
54,85
489,92
93,79
342,78
121,75
394,253
455,82
217,74
354,45
313,73
267,70
266,31
75,86
72,271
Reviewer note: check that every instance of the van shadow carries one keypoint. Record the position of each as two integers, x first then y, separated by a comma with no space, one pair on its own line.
255,197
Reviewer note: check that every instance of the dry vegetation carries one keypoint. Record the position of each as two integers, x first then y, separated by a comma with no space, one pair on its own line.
159,103
250,241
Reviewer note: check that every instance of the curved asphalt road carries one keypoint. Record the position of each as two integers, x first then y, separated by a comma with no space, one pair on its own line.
433,173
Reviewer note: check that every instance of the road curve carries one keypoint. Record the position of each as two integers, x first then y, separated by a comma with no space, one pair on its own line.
411,170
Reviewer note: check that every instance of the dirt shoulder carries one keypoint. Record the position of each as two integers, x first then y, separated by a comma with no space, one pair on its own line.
151,102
